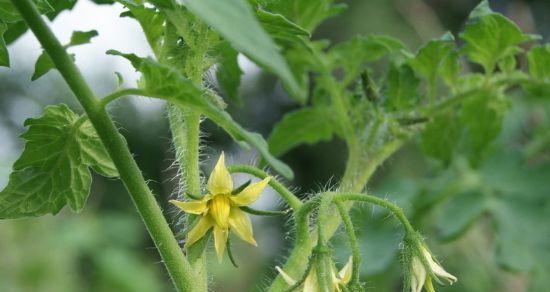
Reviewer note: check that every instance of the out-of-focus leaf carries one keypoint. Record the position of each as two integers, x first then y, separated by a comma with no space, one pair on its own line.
306,13
8,12
539,69
459,213
81,37
4,55
53,170
441,136
402,86
306,125
482,117
228,72
235,21
166,83
363,49
430,58
280,28
491,37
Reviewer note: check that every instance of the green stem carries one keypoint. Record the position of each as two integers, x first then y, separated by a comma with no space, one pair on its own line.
350,232
117,94
324,262
287,195
178,267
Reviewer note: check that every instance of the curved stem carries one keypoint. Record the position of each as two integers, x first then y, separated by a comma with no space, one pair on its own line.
350,232
285,193
117,94
178,267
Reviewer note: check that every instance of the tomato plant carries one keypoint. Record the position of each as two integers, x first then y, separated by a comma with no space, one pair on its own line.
371,91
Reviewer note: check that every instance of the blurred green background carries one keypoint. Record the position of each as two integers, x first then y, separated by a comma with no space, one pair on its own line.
488,225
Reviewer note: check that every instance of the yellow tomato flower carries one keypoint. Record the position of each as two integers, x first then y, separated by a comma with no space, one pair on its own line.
421,278
219,209
311,284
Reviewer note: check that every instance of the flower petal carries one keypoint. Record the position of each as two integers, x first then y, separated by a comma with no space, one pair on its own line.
418,275
220,181
311,284
191,207
251,193
240,223
198,230
288,279
220,241
345,272
219,210
438,269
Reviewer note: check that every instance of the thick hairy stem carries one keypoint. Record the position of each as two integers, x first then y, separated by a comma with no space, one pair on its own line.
178,267
324,254
286,194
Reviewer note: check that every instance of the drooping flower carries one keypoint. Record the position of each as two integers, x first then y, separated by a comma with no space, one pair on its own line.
420,277
311,283
219,209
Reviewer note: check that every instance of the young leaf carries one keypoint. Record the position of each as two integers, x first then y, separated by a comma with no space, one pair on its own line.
432,56
306,125
150,20
235,21
280,28
402,87
4,55
166,83
491,37
306,13
53,170
482,117
441,137
43,65
81,37
364,49
133,58
228,72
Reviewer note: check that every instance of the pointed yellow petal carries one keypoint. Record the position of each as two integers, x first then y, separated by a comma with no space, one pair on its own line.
311,284
345,272
438,269
241,225
251,193
220,181
288,279
191,207
198,231
220,241
219,210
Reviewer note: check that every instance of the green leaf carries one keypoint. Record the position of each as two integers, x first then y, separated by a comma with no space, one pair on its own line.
459,213
4,55
235,21
539,69
228,72
81,37
166,83
8,12
43,65
441,136
280,28
430,58
402,87
53,170
150,20
364,49
306,13
482,116
491,37
133,58
306,125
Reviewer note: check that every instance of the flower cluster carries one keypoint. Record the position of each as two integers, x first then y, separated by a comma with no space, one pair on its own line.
311,283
